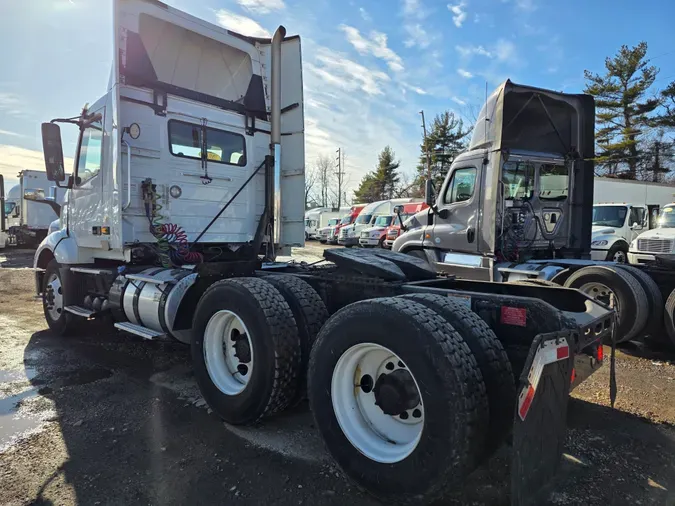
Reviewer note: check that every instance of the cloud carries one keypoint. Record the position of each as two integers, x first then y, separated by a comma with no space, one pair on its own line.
468,51
458,101
417,36
416,89
10,134
14,159
364,14
375,45
240,24
459,14
262,6
526,5
335,69
505,50
465,73
414,9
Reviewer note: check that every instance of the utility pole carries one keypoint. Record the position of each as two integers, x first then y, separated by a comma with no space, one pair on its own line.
426,146
340,174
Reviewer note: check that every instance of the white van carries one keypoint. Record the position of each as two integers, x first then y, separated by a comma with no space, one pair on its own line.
350,234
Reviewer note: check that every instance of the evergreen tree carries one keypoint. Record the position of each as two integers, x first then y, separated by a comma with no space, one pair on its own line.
446,139
667,116
623,108
382,183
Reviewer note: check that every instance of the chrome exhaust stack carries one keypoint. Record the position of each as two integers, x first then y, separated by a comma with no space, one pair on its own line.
274,201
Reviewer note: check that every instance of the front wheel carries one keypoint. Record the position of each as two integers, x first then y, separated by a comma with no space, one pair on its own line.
53,296
618,253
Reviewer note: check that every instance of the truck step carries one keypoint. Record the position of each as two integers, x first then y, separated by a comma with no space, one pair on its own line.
80,311
146,279
138,330
90,270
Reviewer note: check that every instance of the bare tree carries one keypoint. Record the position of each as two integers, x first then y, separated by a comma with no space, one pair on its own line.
311,177
322,189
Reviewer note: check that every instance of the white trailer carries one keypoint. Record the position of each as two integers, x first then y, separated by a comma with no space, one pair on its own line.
623,210
30,207
189,181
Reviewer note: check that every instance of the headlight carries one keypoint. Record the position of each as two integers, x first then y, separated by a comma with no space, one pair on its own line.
599,243
375,235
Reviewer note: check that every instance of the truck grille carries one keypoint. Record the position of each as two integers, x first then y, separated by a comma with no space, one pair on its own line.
343,233
655,245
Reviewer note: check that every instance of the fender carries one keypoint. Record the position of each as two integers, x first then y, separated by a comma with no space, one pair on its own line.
60,246
412,239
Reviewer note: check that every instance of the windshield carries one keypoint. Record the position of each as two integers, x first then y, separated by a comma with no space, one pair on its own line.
333,222
518,178
404,216
667,217
363,218
383,221
346,219
9,207
609,216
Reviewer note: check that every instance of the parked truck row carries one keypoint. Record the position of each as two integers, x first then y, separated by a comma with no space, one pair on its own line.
184,192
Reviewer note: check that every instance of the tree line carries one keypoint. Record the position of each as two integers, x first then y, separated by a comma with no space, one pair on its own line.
635,136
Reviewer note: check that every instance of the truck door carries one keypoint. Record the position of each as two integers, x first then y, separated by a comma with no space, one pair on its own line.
636,222
86,197
459,198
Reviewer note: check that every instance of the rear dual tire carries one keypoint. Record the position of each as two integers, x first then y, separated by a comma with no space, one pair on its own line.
423,349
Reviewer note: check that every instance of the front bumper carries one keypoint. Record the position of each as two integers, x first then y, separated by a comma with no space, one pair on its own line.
640,258
348,241
369,241
599,255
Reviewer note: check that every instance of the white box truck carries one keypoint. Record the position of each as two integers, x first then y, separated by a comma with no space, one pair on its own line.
622,210
30,207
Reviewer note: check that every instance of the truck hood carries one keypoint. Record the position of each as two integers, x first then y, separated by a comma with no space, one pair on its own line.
373,229
602,230
658,233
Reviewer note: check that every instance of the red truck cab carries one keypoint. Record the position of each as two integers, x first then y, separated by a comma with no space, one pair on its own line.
393,230
347,219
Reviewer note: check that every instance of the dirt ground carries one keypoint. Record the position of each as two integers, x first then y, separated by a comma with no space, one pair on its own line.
107,418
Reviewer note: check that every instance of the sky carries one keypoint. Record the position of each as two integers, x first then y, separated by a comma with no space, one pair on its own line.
369,66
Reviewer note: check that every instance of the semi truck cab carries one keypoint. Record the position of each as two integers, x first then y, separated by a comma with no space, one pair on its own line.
615,227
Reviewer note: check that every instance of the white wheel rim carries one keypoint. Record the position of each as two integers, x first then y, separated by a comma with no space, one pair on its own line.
54,297
380,437
227,362
602,293
619,256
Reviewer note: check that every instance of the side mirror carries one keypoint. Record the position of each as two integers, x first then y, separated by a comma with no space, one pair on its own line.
635,225
53,152
429,192
444,213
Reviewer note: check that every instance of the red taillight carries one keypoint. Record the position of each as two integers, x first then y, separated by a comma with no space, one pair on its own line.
599,353
573,376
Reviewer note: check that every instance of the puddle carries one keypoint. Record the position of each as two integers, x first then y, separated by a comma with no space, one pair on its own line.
8,376
15,425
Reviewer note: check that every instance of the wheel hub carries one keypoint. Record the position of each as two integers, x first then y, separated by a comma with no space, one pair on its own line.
242,350
396,393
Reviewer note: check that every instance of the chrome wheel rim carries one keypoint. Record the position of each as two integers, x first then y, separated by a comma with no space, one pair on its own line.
602,293
54,297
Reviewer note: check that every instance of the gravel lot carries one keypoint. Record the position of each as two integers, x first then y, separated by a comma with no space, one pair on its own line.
106,418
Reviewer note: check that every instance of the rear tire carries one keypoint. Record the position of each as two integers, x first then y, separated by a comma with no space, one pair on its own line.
310,314
630,298
424,345
669,318
491,358
256,372
654,300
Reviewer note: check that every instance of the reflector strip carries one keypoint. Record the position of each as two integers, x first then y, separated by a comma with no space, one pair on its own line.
599,353
548,353
574,375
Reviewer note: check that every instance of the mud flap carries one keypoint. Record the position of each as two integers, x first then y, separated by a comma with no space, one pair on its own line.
540,421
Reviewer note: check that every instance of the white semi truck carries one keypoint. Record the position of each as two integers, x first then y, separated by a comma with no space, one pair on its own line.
30,207
189,181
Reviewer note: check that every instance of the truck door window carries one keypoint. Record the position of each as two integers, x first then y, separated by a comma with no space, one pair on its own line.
189,140
553,181
637,215
667,218
461,186
518,178
89,159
